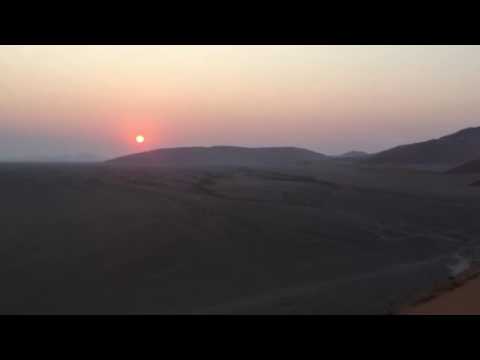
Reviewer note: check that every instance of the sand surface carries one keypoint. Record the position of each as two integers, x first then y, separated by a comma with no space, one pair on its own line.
327,238
460,298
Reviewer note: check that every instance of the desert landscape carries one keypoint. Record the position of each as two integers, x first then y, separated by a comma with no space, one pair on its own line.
239,179
228,230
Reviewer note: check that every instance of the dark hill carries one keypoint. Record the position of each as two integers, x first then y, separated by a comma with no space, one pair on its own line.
222,156
452,149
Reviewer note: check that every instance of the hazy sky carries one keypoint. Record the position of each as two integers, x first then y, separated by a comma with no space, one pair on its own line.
69,100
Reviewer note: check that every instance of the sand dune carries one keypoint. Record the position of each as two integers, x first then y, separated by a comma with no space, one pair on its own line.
329,238
452,150
470,167
222,156
458,297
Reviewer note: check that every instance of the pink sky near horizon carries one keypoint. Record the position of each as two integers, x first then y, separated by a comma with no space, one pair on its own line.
57,100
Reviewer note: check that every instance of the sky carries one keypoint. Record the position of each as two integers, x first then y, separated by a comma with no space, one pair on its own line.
90,102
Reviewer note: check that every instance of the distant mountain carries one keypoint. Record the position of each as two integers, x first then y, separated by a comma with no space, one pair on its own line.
450,150
222,156
354,155
470,167
82,157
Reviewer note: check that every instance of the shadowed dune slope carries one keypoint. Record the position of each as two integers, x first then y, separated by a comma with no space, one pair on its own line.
470,167
323,239
453,149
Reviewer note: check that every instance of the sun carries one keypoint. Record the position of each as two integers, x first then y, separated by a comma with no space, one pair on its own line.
139,139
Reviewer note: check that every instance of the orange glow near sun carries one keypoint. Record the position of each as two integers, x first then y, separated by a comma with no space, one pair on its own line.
139,139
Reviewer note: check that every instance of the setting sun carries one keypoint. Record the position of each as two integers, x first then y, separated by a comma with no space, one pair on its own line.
140,139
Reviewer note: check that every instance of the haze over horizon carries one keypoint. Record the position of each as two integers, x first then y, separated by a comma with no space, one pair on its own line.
65,101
